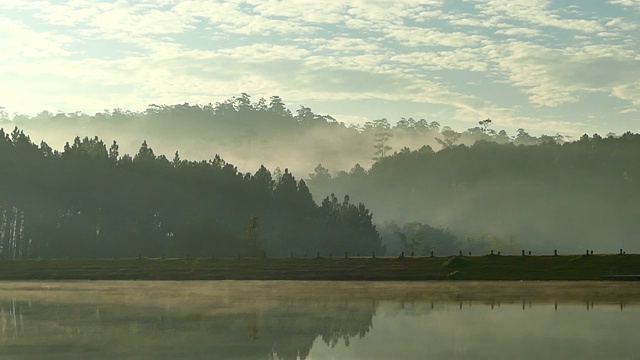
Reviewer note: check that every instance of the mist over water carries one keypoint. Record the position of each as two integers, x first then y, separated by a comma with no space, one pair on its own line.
318,320
483,331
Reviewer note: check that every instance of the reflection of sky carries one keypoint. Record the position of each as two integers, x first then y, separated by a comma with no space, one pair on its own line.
504,332
252,319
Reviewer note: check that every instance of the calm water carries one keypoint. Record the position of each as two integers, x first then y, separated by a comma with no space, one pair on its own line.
319,320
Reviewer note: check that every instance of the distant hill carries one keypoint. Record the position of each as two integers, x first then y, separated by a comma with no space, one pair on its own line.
571,197
249,134
442,189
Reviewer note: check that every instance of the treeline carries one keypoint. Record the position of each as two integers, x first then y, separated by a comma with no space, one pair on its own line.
90,201
459,191
415,238
571,197
239,129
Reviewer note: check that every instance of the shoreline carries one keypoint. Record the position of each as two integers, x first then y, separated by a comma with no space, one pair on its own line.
487,267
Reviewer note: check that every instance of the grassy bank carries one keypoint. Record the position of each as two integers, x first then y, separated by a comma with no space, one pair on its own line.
569,267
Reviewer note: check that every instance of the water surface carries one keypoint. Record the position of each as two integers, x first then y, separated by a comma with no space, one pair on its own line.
318,320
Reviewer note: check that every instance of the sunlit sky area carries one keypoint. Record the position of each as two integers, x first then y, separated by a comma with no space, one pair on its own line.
569,66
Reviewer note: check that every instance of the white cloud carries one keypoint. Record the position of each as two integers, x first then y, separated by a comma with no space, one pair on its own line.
608,34
628,91
404,50
620,23
472,59
308,11
345,45
384,12
229,17
535,12
475,20
524,32
70,13
19,42
631,3
417,37
554,76
265,52
123,21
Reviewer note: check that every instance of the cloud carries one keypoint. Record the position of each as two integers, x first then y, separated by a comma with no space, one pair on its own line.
472,59
69,14
621,24
135,52
535,12
630,3
554,76
418,37
21,43
608,34
263,52
384,12
307,11
121,21
344,45
628,91
524,32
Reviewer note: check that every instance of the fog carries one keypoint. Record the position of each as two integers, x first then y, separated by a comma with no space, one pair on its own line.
243,133
543,195
570,198
317,320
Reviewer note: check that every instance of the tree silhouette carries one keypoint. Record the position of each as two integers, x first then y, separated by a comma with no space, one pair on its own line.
450,137
88,201
251,239
382,136
484,124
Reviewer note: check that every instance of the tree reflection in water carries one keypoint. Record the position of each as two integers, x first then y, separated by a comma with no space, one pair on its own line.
254,320
281,331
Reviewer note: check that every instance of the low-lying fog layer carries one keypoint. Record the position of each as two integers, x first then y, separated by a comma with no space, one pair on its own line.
545,195
318,320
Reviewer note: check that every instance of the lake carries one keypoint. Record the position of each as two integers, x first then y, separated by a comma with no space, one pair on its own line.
319,320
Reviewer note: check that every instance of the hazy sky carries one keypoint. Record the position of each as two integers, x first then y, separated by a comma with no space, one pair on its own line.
570,66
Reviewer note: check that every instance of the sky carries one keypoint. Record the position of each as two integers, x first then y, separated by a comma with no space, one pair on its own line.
569,66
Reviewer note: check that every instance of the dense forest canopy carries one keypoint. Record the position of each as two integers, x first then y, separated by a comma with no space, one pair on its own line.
90,201
571,197
265,132
432,188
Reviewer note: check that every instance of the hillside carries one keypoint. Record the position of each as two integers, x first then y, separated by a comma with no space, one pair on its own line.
571,197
